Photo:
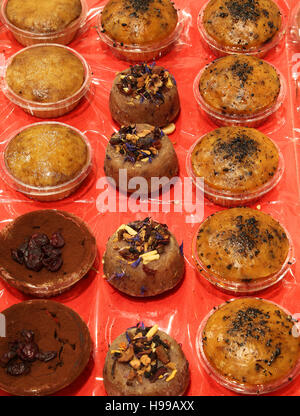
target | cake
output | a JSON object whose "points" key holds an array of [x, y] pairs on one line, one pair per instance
{"points": [[144, 94], [47, 346], [241, 25], [143, 151], [143, 258], [43, 253], [145, 361], [248, 345]]}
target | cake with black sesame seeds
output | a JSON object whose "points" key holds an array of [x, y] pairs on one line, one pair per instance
{"points": [[144, 151], [46, 347], [236, 161], [241, 246], [139, 22], [249, 345], [145, 361], [241, 25], [144, 94], [143, 259], [239, 85]]}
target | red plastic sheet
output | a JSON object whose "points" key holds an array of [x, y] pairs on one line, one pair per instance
{"points": [[107, 312]]}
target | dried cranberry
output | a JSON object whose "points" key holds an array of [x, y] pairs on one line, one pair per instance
{"points": [[17, 256], [57, 240], [39, 240], [5, 359], [34, 259], [53, 264], [24, 247], [28, 335], [50, 251], [18, 369], [28, 351], [46, 356]]}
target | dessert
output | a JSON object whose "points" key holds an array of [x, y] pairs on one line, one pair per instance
{"points": [[139, 30], [144, 94], [43, 253], [144, 151], [47, 160], [143, 258], [46, 80], [242, 249], [145, 361], [47, 346], [37, 21], [248, 346], [241, 26], [239, 89], [238, 165]]}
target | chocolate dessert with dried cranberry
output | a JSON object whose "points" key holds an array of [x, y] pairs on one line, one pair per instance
{"points": [[144, 151], [44, 253], [143, 258], [46, 347], [145, 361], [144, 94]]}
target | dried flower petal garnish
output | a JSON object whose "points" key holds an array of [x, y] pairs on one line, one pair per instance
{"points": [[146, 245], [146, 82], [146, 354], [136, 145]]}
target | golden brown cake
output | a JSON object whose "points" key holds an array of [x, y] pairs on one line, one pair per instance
{"points": [[46, 155], [235, 159], [139, 22], [45, 74], [239, 85], [249, 342], [144, 361], [242, 24], [242, 245], [43, 16]]}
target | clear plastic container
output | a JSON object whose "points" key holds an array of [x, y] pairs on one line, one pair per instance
{"points": [[141, 53], [245, 287], [245, 120], [48, 110], [27, 38], [48, 193], [295, 24], [221, 50], [232, 199], [235, 386]]}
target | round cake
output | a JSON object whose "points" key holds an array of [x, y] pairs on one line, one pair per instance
{"points": [[143, 258], [144, 361], [45, 74], [241, 245], [241, 25], [45, 252], [236, 160], [139, 22], [43, 16], [46, 155], [46, 347], [239, 85], [144, 94], [249, 345], [144, 151]]}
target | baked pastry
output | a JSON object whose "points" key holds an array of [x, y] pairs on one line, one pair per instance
{"points": [[241, 25], [48, 156], [248, 345], [236, 162], [144, 94], [34, 21], [144, 151], [143, 258], [45, 252], [49, 75], [242, 246], [47, 346], [144, 361], [239, 85], [136, 22]]}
